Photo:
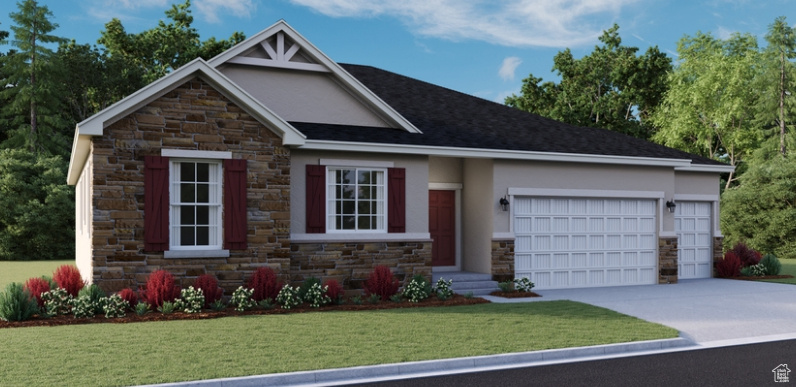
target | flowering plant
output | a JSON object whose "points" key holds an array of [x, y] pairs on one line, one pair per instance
{"points": [[288, 297], [443, 289], [83, 307], [56, 301], [191, 300], [115, 306], [316, 295], [242, 299], [417, 289], [523, 284]]}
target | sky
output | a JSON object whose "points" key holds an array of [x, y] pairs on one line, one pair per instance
{"points": [[479, 47]]}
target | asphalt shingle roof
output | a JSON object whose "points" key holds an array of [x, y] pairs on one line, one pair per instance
{"points": [[449, 118]]}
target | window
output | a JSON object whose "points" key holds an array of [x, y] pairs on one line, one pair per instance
{"points": [[195, 204], [356, 199]]}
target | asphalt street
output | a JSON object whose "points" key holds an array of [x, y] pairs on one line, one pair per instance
{"points": [[743, 365]]}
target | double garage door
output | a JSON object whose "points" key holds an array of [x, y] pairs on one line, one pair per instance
{"points": [[591, 242]]}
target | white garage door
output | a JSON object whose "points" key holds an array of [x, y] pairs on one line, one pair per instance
{"points": [[692, 222], [585, 242]]}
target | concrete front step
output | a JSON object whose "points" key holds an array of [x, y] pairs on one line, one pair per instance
{"points": [[465, 282]]}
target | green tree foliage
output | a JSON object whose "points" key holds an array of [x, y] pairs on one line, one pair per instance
{"points": [[709, 107], [168, 46], [610, 88], [36, 207], [31, 114], [761, 210]]}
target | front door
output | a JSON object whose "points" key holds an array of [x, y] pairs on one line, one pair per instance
{"points": [[442, 227]]}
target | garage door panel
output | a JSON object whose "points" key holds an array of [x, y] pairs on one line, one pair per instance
{"points": [[694, 246], [586, 242]]}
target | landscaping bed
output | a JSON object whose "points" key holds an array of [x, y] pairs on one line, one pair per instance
{"points": [[513, 294], [761, 278]]}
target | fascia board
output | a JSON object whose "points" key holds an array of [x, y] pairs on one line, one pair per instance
{"points": [[706, 168], [81, 145], [493, 154], [347, 80]]}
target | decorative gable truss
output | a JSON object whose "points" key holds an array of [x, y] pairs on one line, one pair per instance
{"points": [[278, 51]]}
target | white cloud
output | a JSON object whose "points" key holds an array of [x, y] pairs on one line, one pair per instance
{"points": [[508, 68], [517, 23], [211, 8], [724, 33]]}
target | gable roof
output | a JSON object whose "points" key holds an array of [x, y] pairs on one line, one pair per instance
{"points": [[454, 120], [94, 125]]}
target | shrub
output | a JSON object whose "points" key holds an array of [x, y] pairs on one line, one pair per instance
{"points": [[218, 305], [316, 295], [167, 307], [115, 306], [375, 298], [771, 264], [334, 291], [443, 289], [264, 283], [288, 297], [95, 295], [68, 277], [36, 286], [746, 255], [267, 303], [242, 299], [417, 289], [160, 288], [209, 286], [308, 283], [382, 283], [730, 266], [506, 286], [397, 297], [17, 304], [523, 284], [83, 307], [57, 301], [129, 296], [356, 300], [141, 308], [191, 300]]}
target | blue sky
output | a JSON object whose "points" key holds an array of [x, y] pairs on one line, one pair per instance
{"points": [[480, 47]]}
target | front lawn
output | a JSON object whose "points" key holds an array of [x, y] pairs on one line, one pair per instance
{"points": [[158, 352], [20, 271], [788, 267]]}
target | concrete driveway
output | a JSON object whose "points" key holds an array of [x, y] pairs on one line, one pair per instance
{"points": [[706, 311]]}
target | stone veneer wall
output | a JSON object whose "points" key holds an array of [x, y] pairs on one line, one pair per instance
{"points": [[718, 252], [350, 263], [667, 260], [193, 116], [503, 260]]}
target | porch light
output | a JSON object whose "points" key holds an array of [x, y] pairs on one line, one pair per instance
{"points": [[671, 205], [504, 204]]}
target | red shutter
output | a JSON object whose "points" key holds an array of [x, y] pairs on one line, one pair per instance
{"points": [[316, 199], [156, 203], [396, 200], [235, 204]]}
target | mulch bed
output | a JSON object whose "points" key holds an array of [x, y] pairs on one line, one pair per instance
{"points": [[765, 277], [131, 317], [498, 293]]}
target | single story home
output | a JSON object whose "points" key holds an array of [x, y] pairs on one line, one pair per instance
{"points": [[272, 154]]}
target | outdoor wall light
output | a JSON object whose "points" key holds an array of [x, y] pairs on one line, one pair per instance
{"points": [[671, 205], [504, 204]]}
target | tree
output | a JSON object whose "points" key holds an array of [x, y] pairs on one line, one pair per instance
{"points": [[611, 88], [36, 207], [31, 82], [777, 82], [708, 109], [159, 50]]}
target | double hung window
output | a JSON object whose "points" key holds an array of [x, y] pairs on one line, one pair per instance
{"points": [[196, 193], [356, 199]]}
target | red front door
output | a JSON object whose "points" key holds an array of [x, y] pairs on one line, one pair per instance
{"points": [[442, 226]]}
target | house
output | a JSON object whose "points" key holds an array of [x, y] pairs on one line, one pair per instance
{"points": [[273, 154]]}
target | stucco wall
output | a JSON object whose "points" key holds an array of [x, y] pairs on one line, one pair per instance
{"points": [[444, 170], [83, 222], [696, 183], [478, 212], [416, 186], [302, 96]]}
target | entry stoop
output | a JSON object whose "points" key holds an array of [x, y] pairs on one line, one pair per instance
{"points": [[464, 282]]}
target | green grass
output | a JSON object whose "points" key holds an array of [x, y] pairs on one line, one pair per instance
{"points": [[158, 352], [20, 271], [788, 267]]}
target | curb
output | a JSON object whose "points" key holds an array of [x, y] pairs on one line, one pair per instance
{"points": [[431, 367]]}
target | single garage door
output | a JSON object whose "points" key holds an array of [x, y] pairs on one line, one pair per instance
{"points": [[585, 242], [692, 222]]}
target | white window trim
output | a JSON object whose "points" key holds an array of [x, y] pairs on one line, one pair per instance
{"points": [[214, 251], [356, 163], [329, 211], [196, 154]]}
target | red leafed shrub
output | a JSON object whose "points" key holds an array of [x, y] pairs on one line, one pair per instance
{"points": [[129, 295], [210, 289], [68, 278], [160, 287], [264, 283], [382, 282], [730, 266], [334, 290], [747, 256], [36, 286]]}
